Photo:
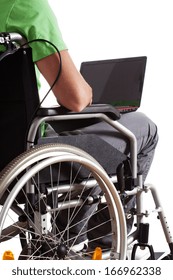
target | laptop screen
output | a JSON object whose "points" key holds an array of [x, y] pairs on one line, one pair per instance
{"points": [[118, 82]]}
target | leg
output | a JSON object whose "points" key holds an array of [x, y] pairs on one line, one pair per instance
{"points": [[146, 134], [144, 130]]}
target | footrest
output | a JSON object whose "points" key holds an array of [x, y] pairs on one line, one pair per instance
{"points": [[151, 255]]}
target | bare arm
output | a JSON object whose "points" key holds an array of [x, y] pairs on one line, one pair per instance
{"points": [[71, 90]]}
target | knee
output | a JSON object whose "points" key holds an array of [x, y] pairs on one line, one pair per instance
{"points": [[149, 137], [153, 132], [141, 125], [148, 127]]}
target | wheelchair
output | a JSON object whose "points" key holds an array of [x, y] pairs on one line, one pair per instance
{"points": [[51, 188]]}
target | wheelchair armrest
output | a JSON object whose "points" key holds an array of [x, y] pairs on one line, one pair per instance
{"points": [[106, 109]]}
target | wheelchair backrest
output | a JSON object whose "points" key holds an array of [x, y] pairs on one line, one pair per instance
{"points": [[18, 101]]}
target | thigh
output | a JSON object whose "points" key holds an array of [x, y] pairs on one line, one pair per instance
{"points": [[138, 123]]}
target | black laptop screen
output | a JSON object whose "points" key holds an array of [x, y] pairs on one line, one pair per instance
{"points": [[118, 82]]}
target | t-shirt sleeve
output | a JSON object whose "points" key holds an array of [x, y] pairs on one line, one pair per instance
{"points": [[36, 20]]}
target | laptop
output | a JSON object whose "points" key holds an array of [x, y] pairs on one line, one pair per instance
{"points": [[118, 82]]}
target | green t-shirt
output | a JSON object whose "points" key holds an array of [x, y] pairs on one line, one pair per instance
{"points": [[33, 19]]}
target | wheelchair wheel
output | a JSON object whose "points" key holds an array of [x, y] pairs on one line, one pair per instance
{"points": [[56, 197]]}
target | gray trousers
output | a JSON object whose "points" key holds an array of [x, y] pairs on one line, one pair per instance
{"points": [[144, 130], [146, 134]]}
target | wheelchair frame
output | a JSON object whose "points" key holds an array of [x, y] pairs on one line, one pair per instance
{"points": [[53, 153], [139, 190]]}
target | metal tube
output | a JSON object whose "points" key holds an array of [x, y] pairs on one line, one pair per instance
{"points": [[161, 214], [18, 38]]}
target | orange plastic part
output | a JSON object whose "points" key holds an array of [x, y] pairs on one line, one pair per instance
{"points": [[97, 255], [8, 255]]}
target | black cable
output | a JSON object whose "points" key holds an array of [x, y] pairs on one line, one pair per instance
{"points": [[56, 79], [60, 64], [12, 51]]}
